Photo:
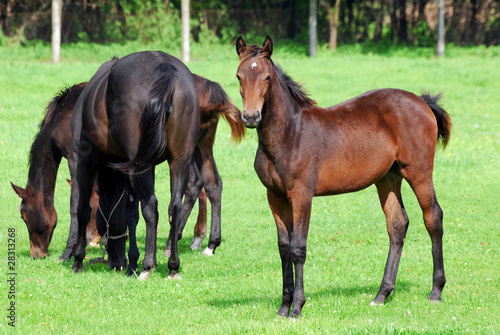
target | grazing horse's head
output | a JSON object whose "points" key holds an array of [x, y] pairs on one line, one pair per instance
{"points": [[254, 74], [40, 218]]}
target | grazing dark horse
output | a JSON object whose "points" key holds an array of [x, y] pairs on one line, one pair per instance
{"points": [[135, 113], [379, 137], [52, 142]]}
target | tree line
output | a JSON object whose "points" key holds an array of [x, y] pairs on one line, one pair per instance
{"points": [[398, 22]]}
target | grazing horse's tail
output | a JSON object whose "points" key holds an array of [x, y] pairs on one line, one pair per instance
{"points": [[155, 112], [443, 119], [218, 100]]}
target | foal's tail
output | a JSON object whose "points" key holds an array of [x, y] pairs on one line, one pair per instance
{"points": [[155, 112], [442, 117], [219, 101]]}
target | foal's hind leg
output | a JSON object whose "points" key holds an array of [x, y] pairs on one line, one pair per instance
{"points": [[213, 186], [200, 228], [433, 217], [194, 186], [389, 192]]}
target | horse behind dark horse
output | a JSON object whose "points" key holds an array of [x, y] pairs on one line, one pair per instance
{"points": [[52, 142], [380, 137]]}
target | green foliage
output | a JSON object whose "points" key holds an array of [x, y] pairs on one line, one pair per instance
{"points": [[238, 290]]}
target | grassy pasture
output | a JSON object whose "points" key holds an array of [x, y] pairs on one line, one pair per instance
{"points": [[238, 290]]}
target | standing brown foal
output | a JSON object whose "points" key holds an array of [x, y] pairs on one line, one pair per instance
{"points": [[379, 137]]}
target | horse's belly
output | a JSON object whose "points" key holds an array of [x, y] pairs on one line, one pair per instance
{"points": [[337, 176]]}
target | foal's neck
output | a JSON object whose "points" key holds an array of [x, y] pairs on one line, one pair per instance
{"points": [[44, 164], [282, 115]]}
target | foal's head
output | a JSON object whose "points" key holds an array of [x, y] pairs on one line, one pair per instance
{"points": [[40, 218], [254, 74]]}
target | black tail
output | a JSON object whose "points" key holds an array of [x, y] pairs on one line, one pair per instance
{"points": [[442, 117], [155, 112]]}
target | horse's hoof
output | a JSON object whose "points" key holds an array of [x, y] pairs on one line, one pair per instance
{"points": [[145, 275], [78, 268], [196, 243], [174, 276], [167, 253], [376, 303], [208, 252]]}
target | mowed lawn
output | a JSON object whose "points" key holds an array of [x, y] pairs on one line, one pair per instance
{"points": [[238, 290]]}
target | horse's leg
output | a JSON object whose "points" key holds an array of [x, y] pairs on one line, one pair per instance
{"points": [[200, 229], [178, 184], [213, 186], [193, 189], [143, 186], [85, 183], [423, 187], [73, 226], [282, 212], [132, 218], [301, 200], [389, 192]]}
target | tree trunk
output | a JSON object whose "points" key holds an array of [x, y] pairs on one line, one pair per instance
{"points": [[185, 30], [333, 22], [56, 30]]}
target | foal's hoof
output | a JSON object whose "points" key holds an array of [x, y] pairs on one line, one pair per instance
{"points": [[196, 243], [145, 275], [208, 252]]}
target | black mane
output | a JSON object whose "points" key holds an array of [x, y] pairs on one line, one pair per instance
{"points": [[297, 92]]}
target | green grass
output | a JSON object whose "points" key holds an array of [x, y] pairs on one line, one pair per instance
{"points": [[238, 290]]}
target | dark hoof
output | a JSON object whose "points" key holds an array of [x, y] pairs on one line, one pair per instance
{"points": [[295, 314], [132, 272], [283, 311], [64, 258], [78, 268]]}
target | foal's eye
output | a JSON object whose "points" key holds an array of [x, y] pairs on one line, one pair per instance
{"points": [[238, 77], [268, 78]]}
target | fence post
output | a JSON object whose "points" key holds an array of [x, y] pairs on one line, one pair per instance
{"points": [[313, 10], [185, 30], [56, 30], [440, 44]]}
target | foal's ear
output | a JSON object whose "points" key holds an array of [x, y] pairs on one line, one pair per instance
{"points": [[267, 47], [241, 46], [21, 192]]}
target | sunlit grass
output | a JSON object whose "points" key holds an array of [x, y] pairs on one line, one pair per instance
{"points": [[238, 290]]}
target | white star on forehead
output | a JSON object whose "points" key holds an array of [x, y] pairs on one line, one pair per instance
{"points": [[254, 65]]}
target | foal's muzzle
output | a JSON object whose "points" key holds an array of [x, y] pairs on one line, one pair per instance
{"points": [[251, 120]]}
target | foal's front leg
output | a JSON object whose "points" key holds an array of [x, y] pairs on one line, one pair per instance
{"points": [[301, 200], [282, 212]]}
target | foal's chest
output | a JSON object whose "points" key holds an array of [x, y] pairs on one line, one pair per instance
{"points": [[267, 172]]}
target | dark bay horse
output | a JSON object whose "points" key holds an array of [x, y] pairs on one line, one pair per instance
{"points": [[379, 137], [135, 113], [52, 142]]}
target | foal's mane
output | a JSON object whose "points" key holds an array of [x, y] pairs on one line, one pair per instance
{"points": [[296, 90], [42, 143]]}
